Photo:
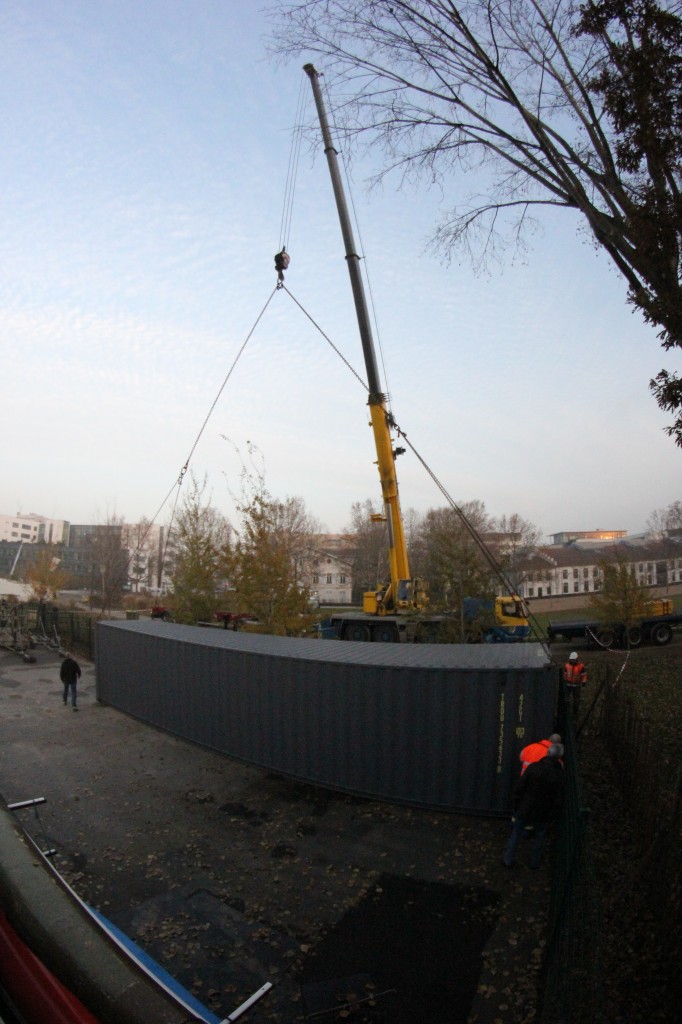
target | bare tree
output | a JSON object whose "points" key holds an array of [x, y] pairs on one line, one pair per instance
{"points": [[545, 103], [368, 540], [518, 538], [454, 566], [109, 561], [663, 521]]}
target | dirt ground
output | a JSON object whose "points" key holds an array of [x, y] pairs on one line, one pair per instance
{"points": [[354, 909]]}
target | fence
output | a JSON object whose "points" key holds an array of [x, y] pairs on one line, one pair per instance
{"points": [[46, 624], [653, 788], [571, 989]]}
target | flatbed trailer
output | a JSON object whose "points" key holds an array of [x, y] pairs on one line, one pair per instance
{"points": [[655, 629]]}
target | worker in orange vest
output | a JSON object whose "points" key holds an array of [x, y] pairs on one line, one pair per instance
{"points": [[536, 751], [574, 677]]}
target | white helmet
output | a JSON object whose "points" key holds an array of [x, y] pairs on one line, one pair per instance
{"points": [[573, 656]]}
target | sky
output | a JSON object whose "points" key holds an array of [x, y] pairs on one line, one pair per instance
{"points": [[143, 185]]}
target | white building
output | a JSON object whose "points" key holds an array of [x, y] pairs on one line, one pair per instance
{"points": [[574, 569], [330, 578], [33, 529]]}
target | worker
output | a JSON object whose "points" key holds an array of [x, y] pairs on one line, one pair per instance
{"points": [[574, 678], [536, 751], [537, 801]]}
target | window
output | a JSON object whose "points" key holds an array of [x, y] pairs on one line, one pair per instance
{"points": [[342, 578], [316, 577], [565, 575], [565, 588], [329, 577], [576, 587], [586, 572]]}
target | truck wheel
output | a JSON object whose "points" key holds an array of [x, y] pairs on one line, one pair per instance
{"points": [[357, 631], [386, 634], [606, 637], [635, 637], [661, 634]]}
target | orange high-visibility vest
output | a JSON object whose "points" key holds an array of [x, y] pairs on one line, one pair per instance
{"points": [[533, 752], [575, 673]]}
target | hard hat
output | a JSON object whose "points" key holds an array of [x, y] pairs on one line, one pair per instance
{"points": [[573, 656]]}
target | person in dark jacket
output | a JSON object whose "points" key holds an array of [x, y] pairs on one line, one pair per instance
{"points": [[69, 674], [538, 798]]}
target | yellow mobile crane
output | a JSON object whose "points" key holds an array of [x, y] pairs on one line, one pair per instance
{"points": [[395, 611], [404, 593]]}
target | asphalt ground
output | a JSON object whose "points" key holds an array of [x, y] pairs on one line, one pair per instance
{"points": [[229, 877]]}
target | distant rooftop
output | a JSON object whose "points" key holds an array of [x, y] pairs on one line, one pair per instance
{"points": [[567, 536]]}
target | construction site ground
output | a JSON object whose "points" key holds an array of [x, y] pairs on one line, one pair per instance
{"points": [[230, 877]]}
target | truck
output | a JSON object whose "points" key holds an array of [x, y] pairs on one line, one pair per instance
{"points": [[655, 627], [396, 610]]}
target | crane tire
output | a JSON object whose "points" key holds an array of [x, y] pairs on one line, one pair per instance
{"points": [[661, 634], [386, 634], [606, 637], [357, 631]]}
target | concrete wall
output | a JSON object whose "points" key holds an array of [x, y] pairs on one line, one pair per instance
{"points": [[432, 725]]}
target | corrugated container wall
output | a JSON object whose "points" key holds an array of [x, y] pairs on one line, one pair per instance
{"points": [[432, 725]]}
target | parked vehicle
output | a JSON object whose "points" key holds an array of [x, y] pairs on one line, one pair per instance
{"points": [[656, 628]]}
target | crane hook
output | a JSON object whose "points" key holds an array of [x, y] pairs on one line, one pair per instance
{"points": [[282, 260]]}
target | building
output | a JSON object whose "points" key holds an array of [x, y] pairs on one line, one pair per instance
{"points": [[574, 569], [328, 574], [600, 536], [33, 529]]}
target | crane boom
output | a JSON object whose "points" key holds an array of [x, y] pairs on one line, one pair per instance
{"points": [[403, 593]]}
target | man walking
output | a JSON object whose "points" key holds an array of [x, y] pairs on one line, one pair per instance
{"points": [[69, 674], [537, 800]]}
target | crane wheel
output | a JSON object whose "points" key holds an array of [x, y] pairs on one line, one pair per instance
{"points": [[386, 634]]}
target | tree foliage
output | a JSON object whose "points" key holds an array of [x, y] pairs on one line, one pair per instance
{"points": [[545, 103], [45, 575], [271, 554], [266, 569], [621, 599], [453, 563], [202, 549]]}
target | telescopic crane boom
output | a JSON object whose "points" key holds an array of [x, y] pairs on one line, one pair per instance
{"points": [[404, 593]]}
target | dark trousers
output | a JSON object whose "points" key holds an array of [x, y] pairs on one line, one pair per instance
{"points": [[72, 686], [538, 837]]}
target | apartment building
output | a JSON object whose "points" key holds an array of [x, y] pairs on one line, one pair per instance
{"points": [[33, 529]]}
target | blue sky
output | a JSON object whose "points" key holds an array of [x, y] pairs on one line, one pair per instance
{"points": [[142, 183]]}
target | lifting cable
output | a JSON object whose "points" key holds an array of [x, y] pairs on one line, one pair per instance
{"points": [[183, 471], [474, 534], [471, 529], [292, 169]]}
